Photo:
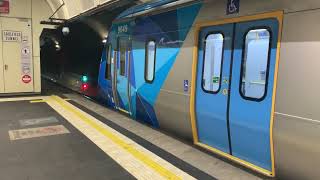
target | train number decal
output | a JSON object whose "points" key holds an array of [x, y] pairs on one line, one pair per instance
{"points": [[123, 29]]}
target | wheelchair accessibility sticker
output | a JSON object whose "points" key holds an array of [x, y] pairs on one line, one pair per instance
{"points": [[233, 6]]}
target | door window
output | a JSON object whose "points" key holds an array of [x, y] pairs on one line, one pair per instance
{"points": [[122, 50], [150, 61], [254, 69], [108, 62], [213, 54]]}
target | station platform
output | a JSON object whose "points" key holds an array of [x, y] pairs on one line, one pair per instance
{"points": [[63, 135]]}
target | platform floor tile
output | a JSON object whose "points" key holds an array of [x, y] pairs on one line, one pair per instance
{"points": [[63, 156]]}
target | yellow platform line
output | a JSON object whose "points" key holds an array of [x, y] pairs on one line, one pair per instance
{"points": [[38, 101], [43, 101], [164, 172], [29, 98]]}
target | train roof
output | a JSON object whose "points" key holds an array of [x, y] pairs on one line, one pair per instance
{"points": [[150, 6]]}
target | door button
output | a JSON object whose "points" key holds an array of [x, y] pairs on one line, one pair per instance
{"points": [[225, 92], [225, 80]]}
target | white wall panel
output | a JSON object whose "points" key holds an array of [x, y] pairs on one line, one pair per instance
{"points": [[40, 11], [54, 5], [75, 7], [1, 64], [86, 5], [103, 1], [31, 11]]}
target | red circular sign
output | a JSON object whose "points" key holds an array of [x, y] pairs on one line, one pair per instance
{"points": [[26, 79]]}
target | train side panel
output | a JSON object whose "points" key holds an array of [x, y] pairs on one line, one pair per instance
{"points": [[172, 105], [168, 30], [297, 124], [166, 103], [173, 88], [105, 84], [295, 138]]}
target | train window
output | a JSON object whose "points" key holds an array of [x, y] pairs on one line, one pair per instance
{"points": [[122, 50], [150, 61], [108, 62], [213, 54], [254, 69]]}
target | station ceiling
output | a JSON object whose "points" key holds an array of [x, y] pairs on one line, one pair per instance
{"points": [[73, 8]]}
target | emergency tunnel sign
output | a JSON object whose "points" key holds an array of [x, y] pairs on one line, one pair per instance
{"points": [[12, 36]]}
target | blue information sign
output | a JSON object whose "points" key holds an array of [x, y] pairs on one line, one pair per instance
{"points": [[233, 6]]}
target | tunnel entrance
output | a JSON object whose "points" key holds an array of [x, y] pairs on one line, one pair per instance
{"points": [[72, 59]]}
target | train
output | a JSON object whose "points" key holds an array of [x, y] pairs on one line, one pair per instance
{"points": [[237, 78]]}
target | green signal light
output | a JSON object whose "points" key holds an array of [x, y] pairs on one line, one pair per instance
{"points": [[84, 78]]}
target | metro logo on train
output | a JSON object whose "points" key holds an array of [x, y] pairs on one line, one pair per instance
{"points": [[123, 29]]}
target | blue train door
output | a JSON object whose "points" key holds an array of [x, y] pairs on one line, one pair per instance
{"points": [[122, 74], [235, 90], [215, 48]]}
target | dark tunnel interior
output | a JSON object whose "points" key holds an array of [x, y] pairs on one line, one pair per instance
{"points": [[80, 51]]}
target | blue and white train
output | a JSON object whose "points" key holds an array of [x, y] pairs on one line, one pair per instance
{"points": [[238, 78]]}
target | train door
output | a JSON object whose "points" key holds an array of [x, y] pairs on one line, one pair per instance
{"points": [[123, 74], [215, 50], [106, 80], [234, 91]]}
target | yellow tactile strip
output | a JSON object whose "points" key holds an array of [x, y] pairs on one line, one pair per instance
{"points": [[137, 160]]}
